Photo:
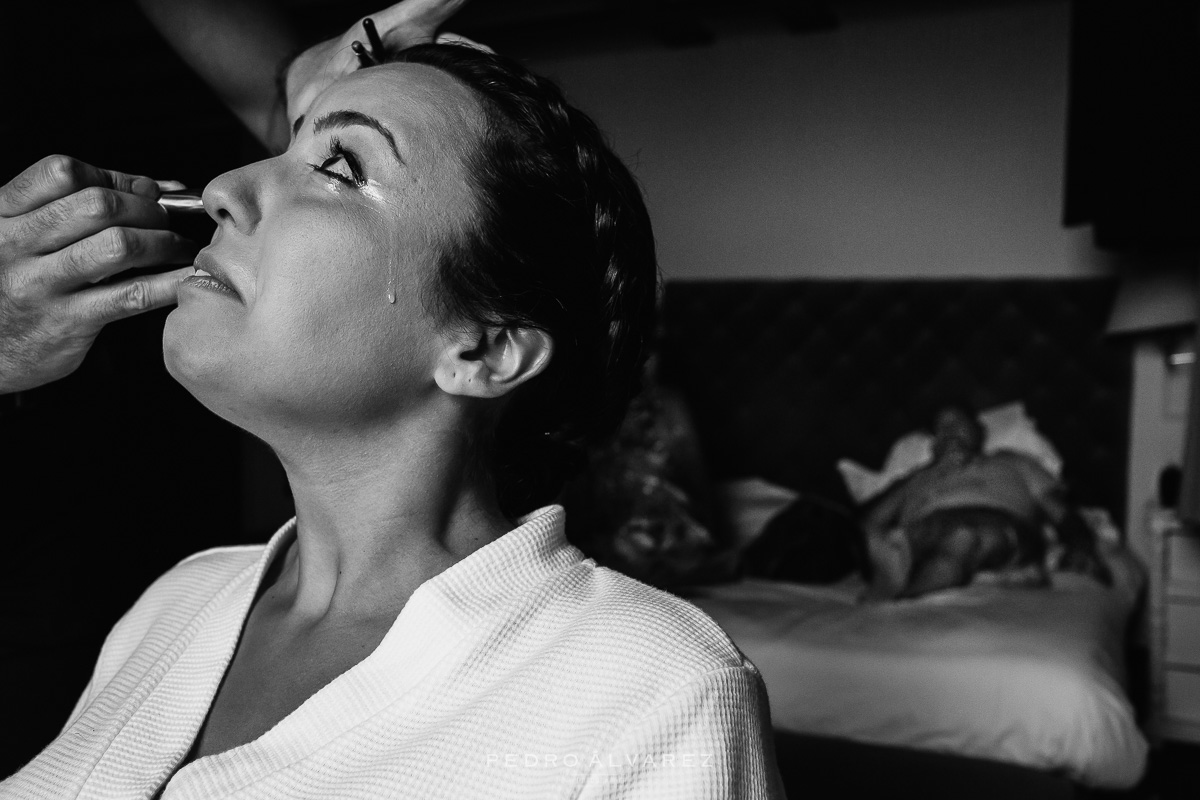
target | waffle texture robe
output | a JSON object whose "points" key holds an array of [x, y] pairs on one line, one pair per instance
{"points": [[523, 671]]}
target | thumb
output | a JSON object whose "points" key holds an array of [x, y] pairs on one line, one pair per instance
{"points": [[414, 21]]}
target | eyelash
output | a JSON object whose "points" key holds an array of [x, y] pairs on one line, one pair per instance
{"points": [[335, 152]]}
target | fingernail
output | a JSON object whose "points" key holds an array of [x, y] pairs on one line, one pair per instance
{"points": [[144, 187], [170, 186]]}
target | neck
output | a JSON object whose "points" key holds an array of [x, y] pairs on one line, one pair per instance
{"points": [[377, 516]]}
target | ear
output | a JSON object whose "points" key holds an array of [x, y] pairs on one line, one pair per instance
{"points": [[491, 362]]}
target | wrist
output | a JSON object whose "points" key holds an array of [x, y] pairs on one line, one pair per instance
{"points": [[281, 81], [279, 123]]}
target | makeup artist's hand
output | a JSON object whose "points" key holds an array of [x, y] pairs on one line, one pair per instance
{"points": [[404, 24], [64, 225]]}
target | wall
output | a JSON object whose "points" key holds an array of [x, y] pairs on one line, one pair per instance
{"points": [[927, 146]]}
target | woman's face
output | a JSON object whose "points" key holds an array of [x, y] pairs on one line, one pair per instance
{"points": [[316, 243]]}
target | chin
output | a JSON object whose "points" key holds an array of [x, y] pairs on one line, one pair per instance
{"points": [[231, 383], [199, 365]]}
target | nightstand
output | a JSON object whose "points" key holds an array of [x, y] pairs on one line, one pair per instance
{"points": [[1174, 627]]}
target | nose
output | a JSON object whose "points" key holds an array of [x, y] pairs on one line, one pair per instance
{"points": [[234, 199]]}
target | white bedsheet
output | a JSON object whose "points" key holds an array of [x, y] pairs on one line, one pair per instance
{"points": [[1026, 676]]}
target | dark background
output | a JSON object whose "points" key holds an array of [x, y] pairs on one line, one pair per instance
{"points": [[113, 474]]}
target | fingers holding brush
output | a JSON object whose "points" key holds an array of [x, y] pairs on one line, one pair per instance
{"points": [[365, 44], [373, 39], [365, 59]]}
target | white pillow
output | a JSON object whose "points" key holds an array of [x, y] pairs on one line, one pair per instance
{"points": [[1010, 428], [909, 453], [750, 504]]}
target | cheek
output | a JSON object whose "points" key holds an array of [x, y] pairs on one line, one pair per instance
{"points": [[323, 297], [318, 273]]}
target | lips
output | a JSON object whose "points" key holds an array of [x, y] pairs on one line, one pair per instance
{"points": [[211, 275]]}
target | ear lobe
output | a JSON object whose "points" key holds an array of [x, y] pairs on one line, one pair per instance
{"points": [[493, 361]]}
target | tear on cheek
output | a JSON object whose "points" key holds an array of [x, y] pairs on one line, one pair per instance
{"points": [[371, 190]]}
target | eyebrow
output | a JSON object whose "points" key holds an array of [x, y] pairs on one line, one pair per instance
{"points": [[346, 119]]}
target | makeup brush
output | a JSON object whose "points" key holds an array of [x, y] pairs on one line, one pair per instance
{"points": [[183, 201], [375, 54]]}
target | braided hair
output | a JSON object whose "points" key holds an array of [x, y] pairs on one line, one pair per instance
{"points": [[562, 243]]}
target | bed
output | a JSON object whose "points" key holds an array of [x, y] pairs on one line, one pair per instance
{"points": [[989, 690], [1022, 676]]}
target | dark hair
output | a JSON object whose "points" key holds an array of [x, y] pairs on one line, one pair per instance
{"points": [[563, 244]]}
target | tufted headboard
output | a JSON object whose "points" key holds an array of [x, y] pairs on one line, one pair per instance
{"points": [[783, 378]]}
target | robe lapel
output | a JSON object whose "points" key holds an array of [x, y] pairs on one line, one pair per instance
{"points": [[151, 728]]}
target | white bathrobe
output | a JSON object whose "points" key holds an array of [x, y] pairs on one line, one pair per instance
{"points": [[522, 671]]}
